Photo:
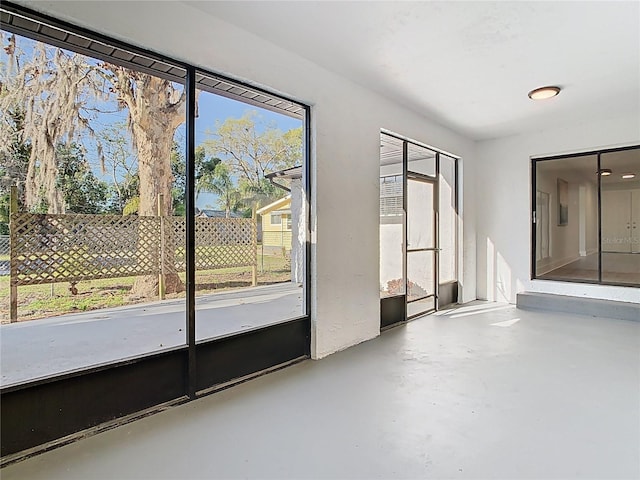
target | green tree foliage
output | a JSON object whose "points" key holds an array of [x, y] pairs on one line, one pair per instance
{"points": [[132, 206], [179, 188], [14, 160], [220, 182], [82, 192], [204, 170], [119, 164], [205, 167], [251, 149]]}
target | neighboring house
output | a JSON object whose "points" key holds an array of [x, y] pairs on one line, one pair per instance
{"points": [[295, 221], [276, 224]]}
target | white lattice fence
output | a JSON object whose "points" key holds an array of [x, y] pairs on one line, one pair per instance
{"points": [[48, 248], [4, 244], [70, 248], [220, 243]]}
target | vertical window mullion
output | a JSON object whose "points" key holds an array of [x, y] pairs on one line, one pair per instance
{"points": [[456, 207], [599, 219], [306, 181], [405, 233], [436, 232], [191, 227], [534, 220]]}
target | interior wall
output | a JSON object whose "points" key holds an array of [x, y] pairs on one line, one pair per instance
{"points": [[346, 123], [503, 206], [564, 240]]}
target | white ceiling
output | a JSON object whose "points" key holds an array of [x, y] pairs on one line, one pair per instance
{"points": [[467, 65]]}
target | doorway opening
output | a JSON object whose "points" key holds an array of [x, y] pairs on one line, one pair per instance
{"points": [[418, 230]]}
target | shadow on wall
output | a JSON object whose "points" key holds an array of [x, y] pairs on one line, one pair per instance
{"points": [[501, 285]]}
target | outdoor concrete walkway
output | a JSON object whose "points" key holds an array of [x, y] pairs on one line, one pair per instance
{"points": [[39, 348]]}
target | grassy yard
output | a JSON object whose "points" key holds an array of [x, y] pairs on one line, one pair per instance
{"points": [[38, 301]]}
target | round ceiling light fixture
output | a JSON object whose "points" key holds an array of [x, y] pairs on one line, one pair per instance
{"points": [[628, 175], [605, 172], [543, 93]]}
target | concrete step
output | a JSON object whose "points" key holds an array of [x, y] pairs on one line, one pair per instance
{"points": [[579, 305]]}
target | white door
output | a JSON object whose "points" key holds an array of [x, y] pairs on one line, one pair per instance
{"points": [[635, 221], [616, 221], [542, 225]]}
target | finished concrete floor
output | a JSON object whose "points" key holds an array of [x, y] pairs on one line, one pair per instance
{"points": [[483, 391]]}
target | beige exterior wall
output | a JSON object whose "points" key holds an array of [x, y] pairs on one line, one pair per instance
{"points": [[277, 235]]}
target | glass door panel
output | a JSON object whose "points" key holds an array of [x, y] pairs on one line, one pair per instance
{"points": [[420, 231], [620, 219], [421, 246], [421, 160], [448, 219], [392, 282], [420, 307], [420, 278]]}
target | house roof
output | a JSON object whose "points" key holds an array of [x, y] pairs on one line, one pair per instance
{"points": [[277, 205], [209, 213], [292, 173]]}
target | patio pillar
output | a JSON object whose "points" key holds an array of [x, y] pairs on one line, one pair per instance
{"points": [[254, 267], [298, 229]]}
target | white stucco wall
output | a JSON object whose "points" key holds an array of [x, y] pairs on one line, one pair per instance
{"points": [[503, 206], [346, 123]]}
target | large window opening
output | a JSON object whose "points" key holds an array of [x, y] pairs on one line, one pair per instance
{"points": [[586, 217], [153, 229], [93, 177], [250, 254]]}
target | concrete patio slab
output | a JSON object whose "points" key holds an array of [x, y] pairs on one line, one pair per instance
{"points": [[40, 348]]}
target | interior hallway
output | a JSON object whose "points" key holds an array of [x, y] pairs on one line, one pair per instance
{"points": [[482, 391]]}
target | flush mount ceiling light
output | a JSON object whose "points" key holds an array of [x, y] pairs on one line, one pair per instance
{"points": [[605, 172], [543, 93], [628, 175]]}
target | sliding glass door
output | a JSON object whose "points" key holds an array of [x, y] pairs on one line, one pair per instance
{"points": [[586, 217]]}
